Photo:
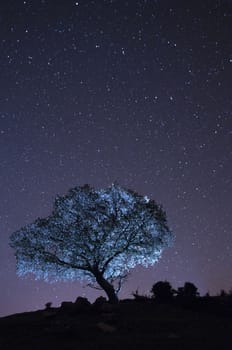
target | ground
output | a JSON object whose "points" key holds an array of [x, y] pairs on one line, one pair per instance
{"points": [[202, 324]]}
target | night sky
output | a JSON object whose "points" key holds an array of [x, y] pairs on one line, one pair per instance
{"points": [[138, 92]]}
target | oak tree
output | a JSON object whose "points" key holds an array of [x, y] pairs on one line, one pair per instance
{"points": [[93, 234]]}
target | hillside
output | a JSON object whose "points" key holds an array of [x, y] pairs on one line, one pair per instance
{"points": [[133, 324]]}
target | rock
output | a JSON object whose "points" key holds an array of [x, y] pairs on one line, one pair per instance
{"points": [[99, 302], [82, 304], [106, 328], [173, 336], [67, 306]]}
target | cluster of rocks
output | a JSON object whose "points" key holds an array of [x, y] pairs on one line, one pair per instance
{"points": [[101, 307], [83, 305]]}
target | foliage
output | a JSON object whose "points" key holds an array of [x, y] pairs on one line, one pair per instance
{"points": [[188, 291], [162, 291], [140, 297], [48, 305], [98, 235]]}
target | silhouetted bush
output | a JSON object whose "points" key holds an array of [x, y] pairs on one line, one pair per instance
{"points": [[223, 293], [162, 291], [189, 291], [139, 297], [48, 305]]}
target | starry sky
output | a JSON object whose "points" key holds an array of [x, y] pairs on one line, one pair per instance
{"points": [[136, 91]]}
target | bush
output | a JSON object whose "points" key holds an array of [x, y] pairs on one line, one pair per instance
{"points": [[189, 291], [162, 291]]}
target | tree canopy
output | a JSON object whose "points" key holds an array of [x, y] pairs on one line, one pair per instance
{"points": [[188, 291], [162, 291], [97, 235]]}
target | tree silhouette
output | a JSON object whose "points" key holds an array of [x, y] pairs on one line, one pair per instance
{"points": [[97, 235], [162, 291], [189, 291]]}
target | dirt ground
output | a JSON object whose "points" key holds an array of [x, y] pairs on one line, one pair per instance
{"points": [[129, 325]]}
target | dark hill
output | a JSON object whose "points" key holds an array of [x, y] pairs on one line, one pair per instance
{"points": [[199, 324]]}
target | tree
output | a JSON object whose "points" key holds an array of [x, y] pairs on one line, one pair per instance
{"points": [[162, 291], [189, 291], [98, 235]]}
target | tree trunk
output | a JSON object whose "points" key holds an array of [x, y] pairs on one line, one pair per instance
{"points": [[108, 288]]}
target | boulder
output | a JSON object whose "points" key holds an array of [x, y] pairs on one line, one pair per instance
{"points": [[105, 327], [99, 302], [82, 304], [67, 306]]}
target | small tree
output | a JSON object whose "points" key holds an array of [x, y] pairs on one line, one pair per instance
{"points": [[162, 291], [223, 293], [98, 235], [189, 291]]}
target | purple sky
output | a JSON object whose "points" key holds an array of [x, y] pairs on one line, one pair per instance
{"points": [[137, 92]]}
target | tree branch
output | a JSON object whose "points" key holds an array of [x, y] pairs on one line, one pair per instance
{"points": [[58, 261], [114, 256]]}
